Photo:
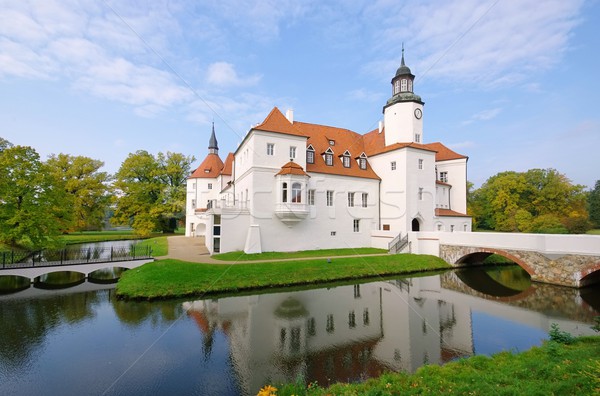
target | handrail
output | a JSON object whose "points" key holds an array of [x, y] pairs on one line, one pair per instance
{"points": [[71, 256], [398, 244]]}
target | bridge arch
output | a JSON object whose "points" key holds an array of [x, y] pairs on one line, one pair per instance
{"points": [[590, 275], [477, 255]]}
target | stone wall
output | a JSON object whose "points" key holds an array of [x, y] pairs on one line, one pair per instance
{"points": [[565, 270]]}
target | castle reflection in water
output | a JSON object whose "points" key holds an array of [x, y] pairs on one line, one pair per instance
{"points": [[350, 333]]}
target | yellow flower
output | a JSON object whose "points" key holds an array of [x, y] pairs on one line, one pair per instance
{"points": [[267, 390]]}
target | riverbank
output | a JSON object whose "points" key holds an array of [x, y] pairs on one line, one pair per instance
{"points": [[173, 278], [552, 369]]}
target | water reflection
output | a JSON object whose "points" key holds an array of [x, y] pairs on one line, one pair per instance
{"points": [[350, 333], [235, 345]]}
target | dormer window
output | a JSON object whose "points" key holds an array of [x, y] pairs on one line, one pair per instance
{"points": [[328, 157], [346, 159], [310, 155], [362, 161]]}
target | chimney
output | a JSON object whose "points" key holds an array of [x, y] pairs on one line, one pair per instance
{"points": [[289, 114], [380, 126]]}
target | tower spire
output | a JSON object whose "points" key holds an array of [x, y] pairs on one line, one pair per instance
{"points": [[402, 62], [213, 145]]}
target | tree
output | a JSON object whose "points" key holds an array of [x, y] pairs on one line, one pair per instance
{"points": [[33, 210], [150, 191], [594, 205], [85, 185], [4, 144], [539, 200]]}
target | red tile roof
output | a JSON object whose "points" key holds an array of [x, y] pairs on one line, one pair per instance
{"points": [[209, 168], [443, 153], [292, 168], [228, 166], [450, 213], [276, 122], [344, 140]]}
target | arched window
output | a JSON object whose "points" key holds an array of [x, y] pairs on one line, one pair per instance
{"points": [[284, 192], [296, 192]]}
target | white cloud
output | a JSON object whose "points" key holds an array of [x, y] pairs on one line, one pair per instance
{"points": [[224, 74], [365, 95], [484, 115], [468, 41]]}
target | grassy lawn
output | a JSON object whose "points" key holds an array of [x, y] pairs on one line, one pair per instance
{"points": [[552, 369], [172, 278], [241, 256], [160, 246], [594, 232]]}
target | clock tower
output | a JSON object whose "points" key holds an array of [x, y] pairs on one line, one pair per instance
{"points": [[403, 112]]}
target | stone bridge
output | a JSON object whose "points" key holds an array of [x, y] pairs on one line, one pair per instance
{"points": [[567, 260]]}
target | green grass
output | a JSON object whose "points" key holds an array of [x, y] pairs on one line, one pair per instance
{"points": [[160, 246], [97, 236], [241, 256], [594, 232], [173, 278], [552, 369]]}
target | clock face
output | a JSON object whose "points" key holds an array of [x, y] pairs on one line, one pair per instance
{"points": [[418, 113]]}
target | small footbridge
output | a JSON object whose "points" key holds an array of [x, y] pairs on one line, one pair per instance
{"points": [[85, 261], [568, 260]]}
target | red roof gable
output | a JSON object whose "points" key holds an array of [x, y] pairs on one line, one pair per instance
{"points": [[443, 153], [276, 122], [228, 166], [209, 168]]}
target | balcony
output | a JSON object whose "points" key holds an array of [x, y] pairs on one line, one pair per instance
{"points": [[291, 213]]}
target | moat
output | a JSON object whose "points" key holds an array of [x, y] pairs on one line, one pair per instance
{"points": [[73, 342]]}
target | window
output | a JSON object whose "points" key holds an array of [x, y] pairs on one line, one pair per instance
{"points": [[444, 177], [292, 152], [386, 227], [193, 204], [310, 157], [330, 325], [270, 148], [329, 198], [351, 319], [366, 317], [393, 165], [332, 233], [410, 85], [403, 85], [396, 86], [451, 228], [284, 192], [420, 164], [328, 159], [464, 227], [439, 227], [296, 192], [356, 225], [365, 198], [356, 291], [417, 138], [346, 161], [420, 193], [350, 199], [210, 186], [311, 327], [311, 197], [362, 163]]}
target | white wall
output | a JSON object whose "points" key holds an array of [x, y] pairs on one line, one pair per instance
{"points": [[457, 178], [401, 125]]}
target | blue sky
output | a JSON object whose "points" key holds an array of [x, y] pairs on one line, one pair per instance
{"points": [[512, 84]]}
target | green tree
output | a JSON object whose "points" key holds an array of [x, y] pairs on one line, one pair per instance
{"points": [[539, 200], [33, 210], [594, 205], [85, 185], [4, 144], [150, 191]]}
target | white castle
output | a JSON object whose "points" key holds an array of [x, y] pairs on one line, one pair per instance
{"points": [[294, 185]]}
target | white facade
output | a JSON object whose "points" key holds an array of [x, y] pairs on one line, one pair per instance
{"points": [[297, 186]]}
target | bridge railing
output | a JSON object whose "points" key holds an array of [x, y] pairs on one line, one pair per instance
{"points": [[73, 256]]}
